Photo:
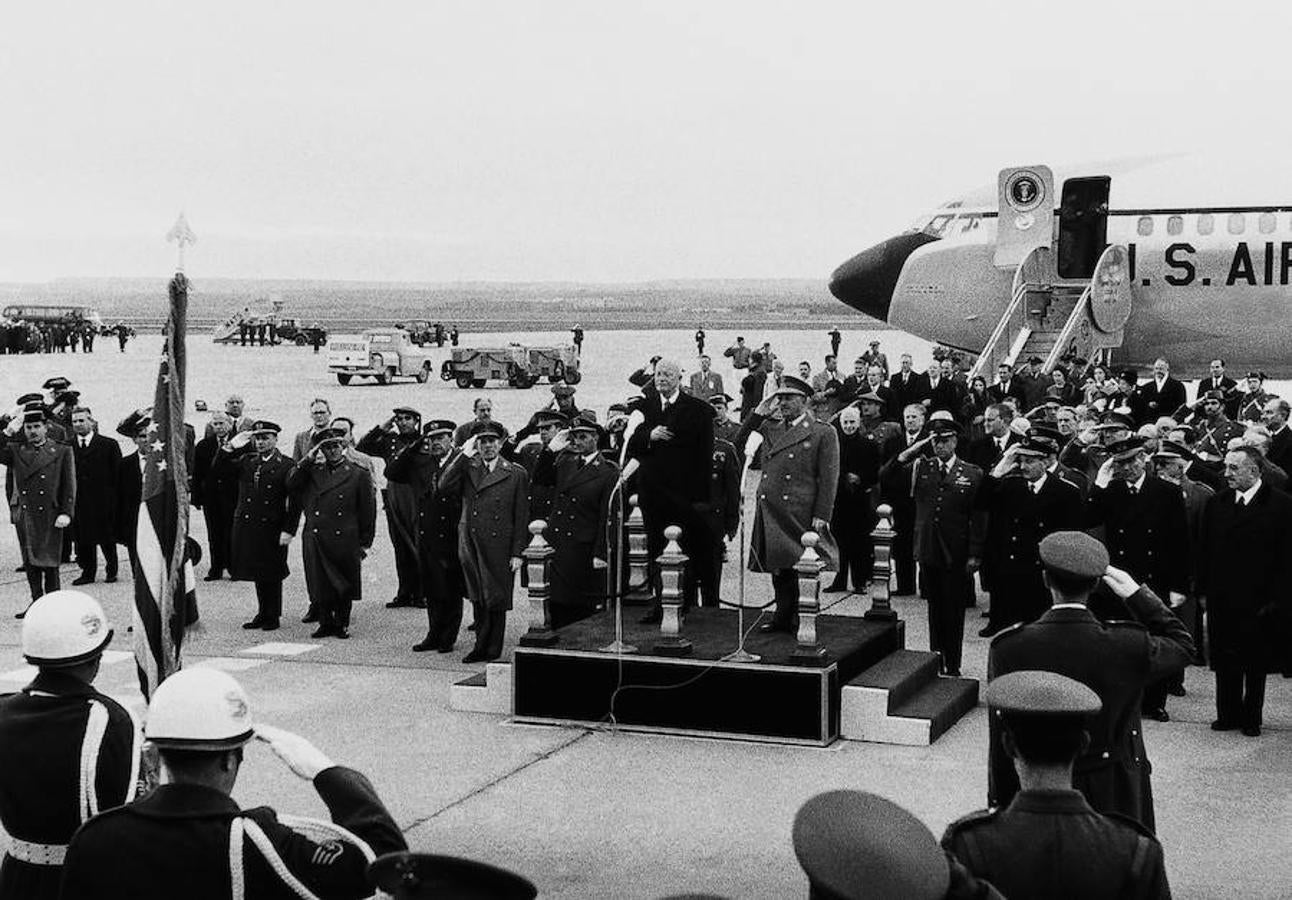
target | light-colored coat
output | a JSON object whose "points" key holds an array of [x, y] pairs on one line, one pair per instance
{"points": [[493, 528]]}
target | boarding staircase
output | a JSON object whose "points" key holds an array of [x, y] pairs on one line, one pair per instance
{"points": [[1051, 317]]}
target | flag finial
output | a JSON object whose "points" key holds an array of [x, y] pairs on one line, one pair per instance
{"points": [[182, 236]]}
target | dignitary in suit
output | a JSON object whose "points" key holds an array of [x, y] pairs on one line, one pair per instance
{"points": [[944, 393], [44, 479], [853, 518], [895, 491], [706, 382], [1275, 418], [66, 750], [1049, 841], [96, 459], [986, 451], [1161, 395], [386, 441], [239, 421], [320, 419], [492, 533], [1007, 386], [827, 390], [1117, 660], [950, 527], [1143, 524], [439, 511], [583, 483], [340, 519], [800, 460], [674, 450], [215, 492], [190, 832], [1025, 502], [1219, 381], [907, 385], [1244, 569], [265, 519]]}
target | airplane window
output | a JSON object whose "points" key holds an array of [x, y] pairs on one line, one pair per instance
{"points": [[1174, 225], [1267, 223], [1237, 223], [1145, 227], [1206, 223]]}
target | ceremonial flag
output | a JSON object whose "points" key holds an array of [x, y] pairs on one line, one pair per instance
{"points": [[164, 585]]}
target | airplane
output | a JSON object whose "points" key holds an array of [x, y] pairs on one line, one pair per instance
{"points": [[1175, 257]]}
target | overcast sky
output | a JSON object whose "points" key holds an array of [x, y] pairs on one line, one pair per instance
{"points": [[603, 140]]}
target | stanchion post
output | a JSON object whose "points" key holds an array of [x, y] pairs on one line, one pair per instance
{"points": [[638, 591], [538, 561], [809, 651], [881, 608], [672, 570]]}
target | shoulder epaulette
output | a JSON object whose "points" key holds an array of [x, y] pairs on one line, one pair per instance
{"points": [[1138, 826], [1125, 623], [974, 818], [1017, 626]]}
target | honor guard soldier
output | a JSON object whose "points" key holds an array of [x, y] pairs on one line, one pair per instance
{"points": [[66, 750], [44, 486], [401, 430], [265, 519], [189, 838], [340, 519], [428, 876], [1049, 842], [1116, 660], [582, 483], [723, 427], [437, 533]]}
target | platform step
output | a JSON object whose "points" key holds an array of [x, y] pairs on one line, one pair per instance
{"points": [[942, 702], [902, 673], [487, 692]]}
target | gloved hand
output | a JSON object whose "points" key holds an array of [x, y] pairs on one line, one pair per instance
{"points": [[301, 756]]}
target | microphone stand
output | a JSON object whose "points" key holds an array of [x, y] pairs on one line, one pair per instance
{"points": [[617, 646]]}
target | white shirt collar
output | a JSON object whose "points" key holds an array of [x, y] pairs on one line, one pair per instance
{"points": [[1250, 493], [1137, 486], [671, 398], [589, 458], [1068, 606], [1035, 486]]}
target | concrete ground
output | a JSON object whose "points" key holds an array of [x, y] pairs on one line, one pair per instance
{"points": [[594, 812]]}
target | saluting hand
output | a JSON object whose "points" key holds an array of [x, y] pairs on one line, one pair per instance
{"points": [[515, 563], [301, 756], [1120, 581], [284, 539]]}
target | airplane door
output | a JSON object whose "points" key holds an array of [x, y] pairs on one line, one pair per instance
{"points": [[1083, 225], [1026, 204]]}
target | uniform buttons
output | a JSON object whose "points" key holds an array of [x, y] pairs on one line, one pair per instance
{"points": [[1104, 754], [785, 496]]}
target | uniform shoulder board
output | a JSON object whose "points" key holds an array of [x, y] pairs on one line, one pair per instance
{"points": [[1017, 626], [1134, 824], [981, 817], [971, 467], [1125, 623]]}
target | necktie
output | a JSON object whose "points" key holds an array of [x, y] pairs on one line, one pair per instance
{"points": [[85, 443], [1133, 490], [1241, 500]]}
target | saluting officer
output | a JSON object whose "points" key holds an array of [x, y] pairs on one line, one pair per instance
{"points": [[401, 430], [419, 465], [266, 517], [583, 483], [340, 518], [66, 750], [1049, 841], [800, 460], [431, 876], [723, 427], [520, 448], [1116, 660], [189, 838], [44, 476]]}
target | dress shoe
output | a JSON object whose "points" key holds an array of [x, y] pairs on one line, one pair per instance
{"points": [[213, 575], [424, 645], [1157, 715], [444, 648], [952, 674], [651, 618], [398, 602], [21, 615], [269, 625], [1177, 690], [321, 632], [83, 579], [310, 616], [254, 623], [20, 569], [989, 631], [474, 656], [769, 627], [342, 633], [418, 603], [1252, 730], [1224, 725], [111, 579]]}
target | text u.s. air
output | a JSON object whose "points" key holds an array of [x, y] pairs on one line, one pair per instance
{"points": [[1120, 262]]}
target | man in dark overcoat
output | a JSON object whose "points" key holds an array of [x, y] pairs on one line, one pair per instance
{"points": [[1117, 660], [265, 519], [44, 476], [1244, 570], [419, 465], [800, 460], [853, 518], [582, 483], [895, 491], [340, 519], [492, 533], [96, 458], [386, 441], [215, 492], [721, 514]]}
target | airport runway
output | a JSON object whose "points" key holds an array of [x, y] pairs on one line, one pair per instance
{"points": [[594, 812]]}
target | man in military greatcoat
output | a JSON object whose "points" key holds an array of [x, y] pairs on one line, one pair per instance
{"points": [[439, 511], [800, 460], [67, 751], [265, 519], [523, 449], [44, 476], [339, 521], [1117, 660], [492, 533], [386, 441], [583, 483], [96, 458]]}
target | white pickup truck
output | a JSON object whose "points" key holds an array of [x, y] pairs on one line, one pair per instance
{"points": [[380, 353]]}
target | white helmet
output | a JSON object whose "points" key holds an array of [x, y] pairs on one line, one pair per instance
{"points": [[64, 628], [199, 709]]}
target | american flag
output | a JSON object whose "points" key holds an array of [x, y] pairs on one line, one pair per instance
{"points": [[164, 583]]}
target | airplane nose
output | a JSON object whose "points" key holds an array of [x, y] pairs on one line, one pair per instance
{"points": [[866, 281]]}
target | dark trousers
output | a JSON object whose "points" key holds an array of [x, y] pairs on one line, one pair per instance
{"points": [[785, 588], [406, 565], [1015, 598], [219, 529], [490, 631], [42, 580], [269, 599], [945, 589], [856, 560], [710, 580], [445, 587], [66, 555], [568, 613], [903, 553], [1240, 695], [87, 556]]}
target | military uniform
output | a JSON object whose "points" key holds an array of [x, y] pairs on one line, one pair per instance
{"points": [[401, 513], [66, 752], [340, 519], [177, 842], [721, 514], [44, 489]]}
